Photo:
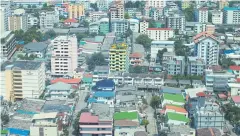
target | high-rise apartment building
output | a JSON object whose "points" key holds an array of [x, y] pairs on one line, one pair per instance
{"points": [[176, 21], [18, 20], [156, 3], [117, 10], [8, 44], [48, 19], [160, 34], [143, 27], [64, 55], [4, 14], [22, 79], [119, 26], [201, 15], [119, 57], [223, 3], [195, 66], [231, 15], [217, 17], [75, 11], [207, 48]]}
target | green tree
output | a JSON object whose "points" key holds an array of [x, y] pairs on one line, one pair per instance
{"points": [[126, 15], [180, 49], [19, 34], [45, 5], [93, 34], [226, 62], [4, 118], [155, 101], [145, 122], [221, 30], [29, 6], [94, 6], [129, 4], [76, 124], [34, 6], [189, 13], [148, 58], [152, 23], [136, 69], [80, 36], [50, 34], [144, 40], [160, 54], [209, 16], [162, 133], [85, 23], [97, 59]]}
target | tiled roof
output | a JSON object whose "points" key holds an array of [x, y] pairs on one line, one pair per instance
{"points": [[203, 34], [126, 123], [175, 108], [236, 99], [87, 117], [70, 21], [159, 29], [135, 55], [234, 67], [68, 81]]}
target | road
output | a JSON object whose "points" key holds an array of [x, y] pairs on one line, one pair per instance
{"points": [[79, 106], [152, 126]]}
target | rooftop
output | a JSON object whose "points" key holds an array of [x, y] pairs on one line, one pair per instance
{"points": [[176, 108], [163, 42], [234, 67], [103, 94], [65, 80], [178, 117], [22, 65], [126, 98], [56, 106], [125, 116], [106, 83], [194, 92], [159, 29], [59, 86], [174, 97], [182, 129], [236, 99], [135, 55], [35, 46], [104, 111], [70, 20], [231, 8], [127, 123], [45, 115], [31, 105], [119, 46], [208, 132], [87, 117], [166, 89]]}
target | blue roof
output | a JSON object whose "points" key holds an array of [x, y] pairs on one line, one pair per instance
{"points": [[91, 100], [20, 132], [229, 51], [170, 90], [104, 94], [231, 8], [106, 83], [21, 42]]}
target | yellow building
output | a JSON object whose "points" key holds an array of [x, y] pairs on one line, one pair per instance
{"points": [[118, 56], [223, 3], [75, 11], [22, 79], [185, 4]]}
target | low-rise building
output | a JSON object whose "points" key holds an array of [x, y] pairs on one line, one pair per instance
{"points": [[174, 109], [236, 100], [160, 45], [178, 130], [48, 124], [36, 48], [176, 119], [209, 116], [236, 70], [176, 66], [235, 88], [134, 25], [136, 58], [176, 99], [96, 16], [59, 91], [160, 34], [195, 66]]}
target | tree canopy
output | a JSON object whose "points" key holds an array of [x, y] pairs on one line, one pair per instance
{"points": [[232, 113], [138, 4], [30, 35], [97, 59], [189, 13], [180, 49], [94, 6], [155, 101], [138, 69], [126, 15], [144, 40], [226, 62], [50, 34], [160, 54]]}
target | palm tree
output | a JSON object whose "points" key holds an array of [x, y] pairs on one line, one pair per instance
{"points": [[145, 122]]}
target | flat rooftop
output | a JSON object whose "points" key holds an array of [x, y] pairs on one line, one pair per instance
{"points": [[104, 111], [23, 65]]}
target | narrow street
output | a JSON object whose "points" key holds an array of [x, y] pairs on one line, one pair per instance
{"points": [[79, 106]]}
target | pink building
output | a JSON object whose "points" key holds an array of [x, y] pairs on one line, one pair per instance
{"points": [[94, 126], [64, 55]]}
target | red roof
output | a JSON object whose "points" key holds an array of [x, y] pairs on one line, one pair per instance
{"points": [[201, 94], [175, 108], [238, 80], [234, 67], [70, 20], [222, 96], [87, 117], [135, 55], [159, 29], [236, 99], [203, 34], [88, 75], [68, 81]]}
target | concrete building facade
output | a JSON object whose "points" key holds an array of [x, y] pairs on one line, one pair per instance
{"points": [[201, 15], [143, 27], [75, 11], [64, 55], [231, 15], [217, 17], [48, 19], [160, 34]]}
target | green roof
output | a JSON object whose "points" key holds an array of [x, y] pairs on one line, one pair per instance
{"points": [[4, 131], [87, 79], [125, 115], [176, 116], [174, 97]]}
